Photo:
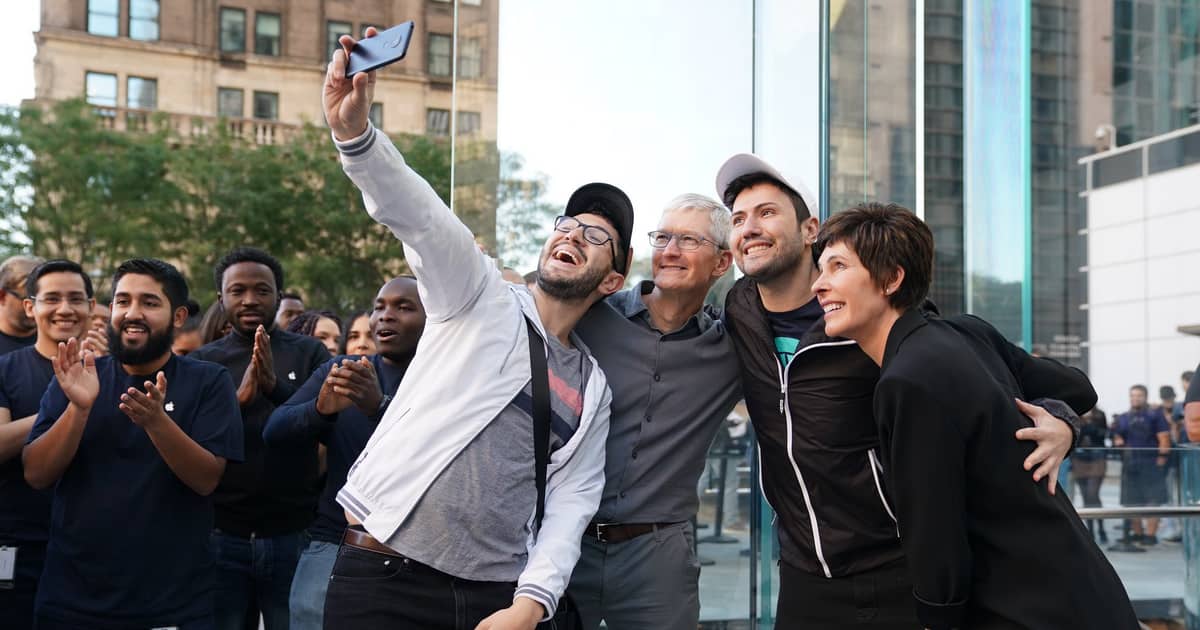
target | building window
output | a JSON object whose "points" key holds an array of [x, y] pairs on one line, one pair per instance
{"points": [[468, 123], [437, 122], [334, 30], [470, 58], [141, 93], [266, 105], [229, 103], [472, 2], [101, 89], [376, 115], [233, 30], [104, 17], [143, 20], [266, 34], [439, 55]]}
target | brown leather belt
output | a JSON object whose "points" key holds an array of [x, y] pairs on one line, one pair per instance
{"points": [[621, 532], [360, 539]]}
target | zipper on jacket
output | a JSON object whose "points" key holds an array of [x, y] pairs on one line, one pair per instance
{"points": [[787, 415], [877, 468]]}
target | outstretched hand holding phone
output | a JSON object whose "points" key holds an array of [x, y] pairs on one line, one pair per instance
{"points": [[347, 101]]}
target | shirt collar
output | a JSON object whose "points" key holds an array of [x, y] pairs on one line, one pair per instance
{"points": [[911, 320], [631, 304]]}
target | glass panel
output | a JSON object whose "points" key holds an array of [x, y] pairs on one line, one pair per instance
{"points": [[1058, 140], [233, 30], [334, 30], [266, 105], [1116, 169], [437, 122], [141, 93], [104, 17], [1154, 568], [439, 55], [469, 58], [266, 34], [872, 115], [101, 89], [996, 165], [644, 116], [1175, 153], [468, 123], [143, 19], [229, 103], [376, 115]]}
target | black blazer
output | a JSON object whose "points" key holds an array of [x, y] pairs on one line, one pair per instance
{"points": [[986, 546]]}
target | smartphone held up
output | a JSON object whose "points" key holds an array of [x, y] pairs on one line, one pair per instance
{"points": [[385, 48]]}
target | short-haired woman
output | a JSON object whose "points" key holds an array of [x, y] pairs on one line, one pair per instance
{"points": [[986, 546]]}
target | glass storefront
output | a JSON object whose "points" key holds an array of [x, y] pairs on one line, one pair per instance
{"points": [[972, 113]]}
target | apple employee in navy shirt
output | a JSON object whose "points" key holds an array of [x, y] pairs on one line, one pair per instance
{"points": [[340, 405], [60, 303], [133, 444]]}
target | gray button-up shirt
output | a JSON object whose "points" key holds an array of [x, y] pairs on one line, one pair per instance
{"points": [[670, 393]]}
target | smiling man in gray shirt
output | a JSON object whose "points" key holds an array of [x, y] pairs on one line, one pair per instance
{"points": [[674, 378]]}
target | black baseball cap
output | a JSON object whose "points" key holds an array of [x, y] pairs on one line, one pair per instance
{"points": [[611, 203]]}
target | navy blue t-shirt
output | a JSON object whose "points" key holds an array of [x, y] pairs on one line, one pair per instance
{"points": [[344, 435], [789, 327], [9, 343], [129, 541], [24, 512]]}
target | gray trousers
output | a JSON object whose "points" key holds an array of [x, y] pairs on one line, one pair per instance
{"points": [[651, 581]]}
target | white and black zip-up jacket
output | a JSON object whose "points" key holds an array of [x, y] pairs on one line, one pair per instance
{"points": [[818, 442]]}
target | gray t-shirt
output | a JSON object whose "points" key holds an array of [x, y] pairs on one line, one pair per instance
{"points": [[473, 522]]}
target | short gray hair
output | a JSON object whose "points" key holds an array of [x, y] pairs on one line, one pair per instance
{"points": [[718, 216], [15, 269]]}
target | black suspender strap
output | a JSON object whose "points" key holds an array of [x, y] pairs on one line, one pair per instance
{"points": [[541, 416]]}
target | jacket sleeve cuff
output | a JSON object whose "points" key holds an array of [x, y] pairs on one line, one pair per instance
{"points": [[356, 147], [941, 616], [1062, 411], [540, 595]]}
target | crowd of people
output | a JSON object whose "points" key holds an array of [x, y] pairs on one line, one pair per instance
{"points": [[1144, 439], [523, 453]]}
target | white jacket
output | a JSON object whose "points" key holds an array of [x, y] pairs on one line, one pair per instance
{"points": [[472, 360]]}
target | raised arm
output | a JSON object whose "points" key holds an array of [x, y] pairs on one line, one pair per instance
{"points": [[441, 251], [56, 434], [298, 419]]}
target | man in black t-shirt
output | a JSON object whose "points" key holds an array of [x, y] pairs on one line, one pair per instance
{"points": [[263, 504], [17, 329], [340, 405], [132, 443], [60, 302]]}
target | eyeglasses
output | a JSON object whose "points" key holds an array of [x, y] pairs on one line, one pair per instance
{"points": [[593, 234], [16, 294], [686, 242], [56, 300]]}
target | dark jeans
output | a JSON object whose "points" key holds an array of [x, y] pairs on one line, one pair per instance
{"points": [[44, 623], [878, 599], [16, 603], [254, 575], [370, 590]]}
